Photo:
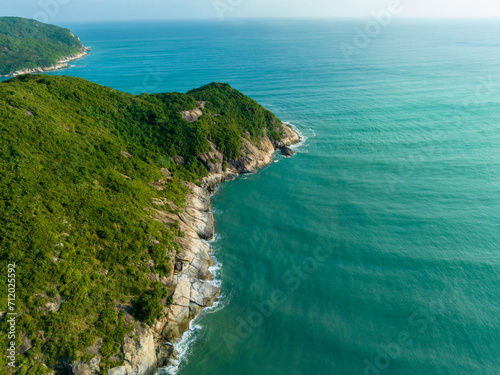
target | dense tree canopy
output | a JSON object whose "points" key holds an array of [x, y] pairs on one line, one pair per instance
{"points": [[27, 44], [76, 165]]}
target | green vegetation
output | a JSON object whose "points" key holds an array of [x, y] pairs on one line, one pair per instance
{"points": [[76, 165], [147, 307], [28, 44], [238, 115]]}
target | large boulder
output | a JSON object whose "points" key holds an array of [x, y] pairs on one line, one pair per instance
{"points": [[140, 354], [190, 297], [179, 160], [212, 160], [288, 137], [287, 151], [166, 354]]}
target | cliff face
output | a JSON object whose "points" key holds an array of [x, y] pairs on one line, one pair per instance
{"points": [[253, 158], [147, 349]]}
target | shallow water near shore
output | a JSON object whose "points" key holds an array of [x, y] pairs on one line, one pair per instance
{"points": [[375, 249]]}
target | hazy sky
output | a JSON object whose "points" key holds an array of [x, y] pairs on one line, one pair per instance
{"points": [[54, 11]]}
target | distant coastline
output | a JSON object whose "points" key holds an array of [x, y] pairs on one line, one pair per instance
{"points": [[62, 63]]}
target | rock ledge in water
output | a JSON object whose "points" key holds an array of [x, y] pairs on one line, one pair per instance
{"points": [[287, 151]]}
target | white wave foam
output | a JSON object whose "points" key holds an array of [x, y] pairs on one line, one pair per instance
{"points": [[215, 271], [298, 147], [215, 238], [303, 136], [185, 344], [216, 211]]}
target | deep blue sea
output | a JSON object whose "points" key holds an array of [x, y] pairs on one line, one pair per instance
{"points": [[376, 248]]}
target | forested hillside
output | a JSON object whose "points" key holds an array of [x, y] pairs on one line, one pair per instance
{"points": [[28, 44], [77, 163]]}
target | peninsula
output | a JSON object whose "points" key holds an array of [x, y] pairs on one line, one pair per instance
{"points": [[29, 46], [105, 206]]}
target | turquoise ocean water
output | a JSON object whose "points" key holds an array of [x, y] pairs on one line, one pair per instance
{"points": [[374, 250]]}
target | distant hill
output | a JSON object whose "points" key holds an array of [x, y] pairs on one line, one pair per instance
{"points": [[28, 46]]}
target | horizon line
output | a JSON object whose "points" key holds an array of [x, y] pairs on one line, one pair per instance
{"points": [[268, 18]]}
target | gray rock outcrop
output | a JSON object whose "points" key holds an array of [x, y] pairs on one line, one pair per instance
{"points": [[139, 350], [147, 348]]}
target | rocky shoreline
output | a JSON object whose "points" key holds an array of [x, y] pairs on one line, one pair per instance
{"points": [[147, 349], [61, 64]]}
